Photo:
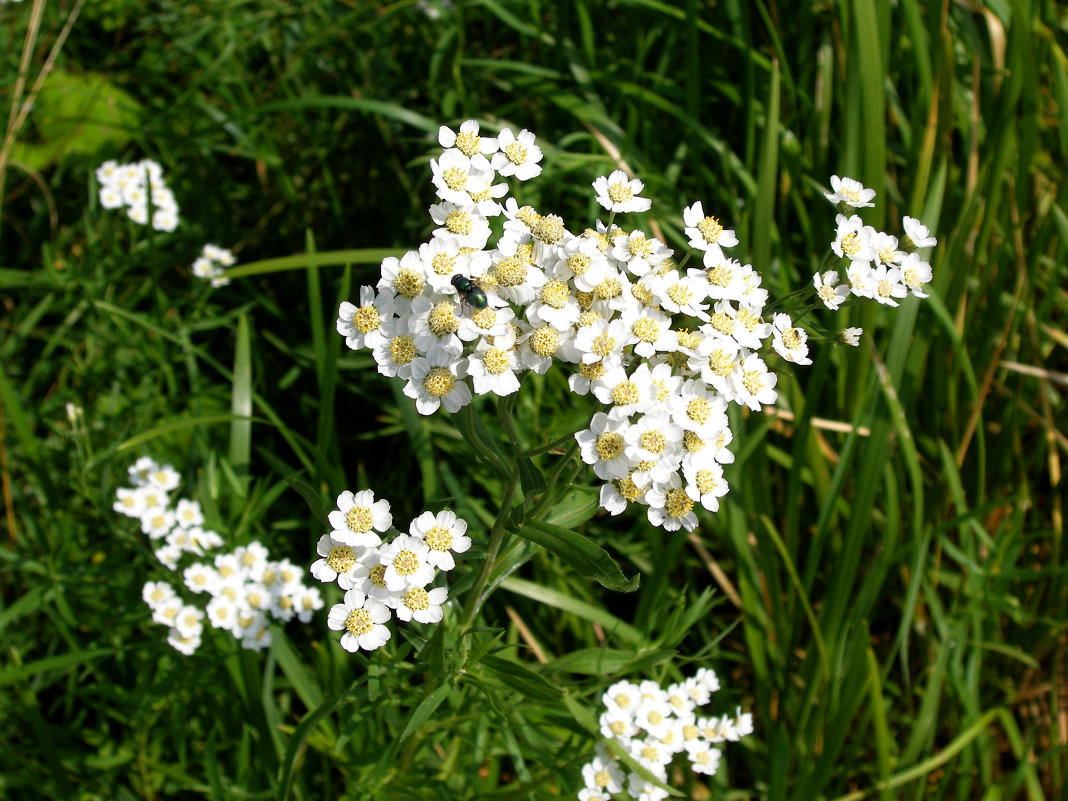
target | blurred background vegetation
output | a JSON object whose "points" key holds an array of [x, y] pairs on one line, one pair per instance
{"points": [[890, 603]]}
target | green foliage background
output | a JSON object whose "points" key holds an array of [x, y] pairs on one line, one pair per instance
{"points": [[891, 606]]}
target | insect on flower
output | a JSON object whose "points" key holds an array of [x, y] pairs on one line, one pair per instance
{"points": [[470, 291]]}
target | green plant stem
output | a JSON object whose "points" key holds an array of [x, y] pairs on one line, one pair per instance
{"points": [[474, 596]]}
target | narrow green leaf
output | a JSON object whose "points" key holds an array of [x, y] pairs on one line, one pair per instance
{"points": [[522, 679], [241, 405], [426, 709], [312, 498], [580, 553]]}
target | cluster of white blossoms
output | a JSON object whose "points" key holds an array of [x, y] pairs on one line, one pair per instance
{"points": [[880, 267], [246, 588], [382, 578], [138, 186], [211, 262], [653, 725], [664, 347]]}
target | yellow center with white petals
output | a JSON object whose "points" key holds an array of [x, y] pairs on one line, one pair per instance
{"points": [[710, 230], [626, 393], [359, 622], [341, 559], [603, 344], [366, 319], [706, 481], [406, 562], [454, 178], [629, 490], [638, 246], [721, 363], [608, 289], [579, 263], [680, 294], [753, 381], [439, 382], [417, 599], [653, 440], [593, 371], [516, 153], [496, 361], [459, 222], [620, 192], [748, 318], [851, 244], [439, 538], [645, 329], [402, 349], [378, 576], [442, 319], [691, 442], [511, 271], [791, 339], [720, 276], [485, 318], [609, 446], [544, 341], [528, 216], [699, 410], [467, 143], [723, 323], [359, 519], [602, 778], [912, 277], [678, 503], [409, 283], [443, 264], [643, 295], [885, 289], [555, 294], [549, 229]]}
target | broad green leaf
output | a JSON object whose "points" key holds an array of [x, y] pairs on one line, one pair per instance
{"points": [[580, 553]]}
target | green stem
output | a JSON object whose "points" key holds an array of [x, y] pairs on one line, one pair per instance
{"points": [[474, 595]]}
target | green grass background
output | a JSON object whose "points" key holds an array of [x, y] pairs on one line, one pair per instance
{"points": [[891, 606]]}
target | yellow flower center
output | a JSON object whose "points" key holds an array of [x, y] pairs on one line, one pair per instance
{"points": [[609, 447], [439, 382], [359, 622], [341, 558], [359, 519]]}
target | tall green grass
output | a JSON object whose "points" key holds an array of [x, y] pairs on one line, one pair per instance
{"points": [[890, 602]]}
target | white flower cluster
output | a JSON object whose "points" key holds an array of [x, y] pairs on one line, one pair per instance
{"points": [[247, 589], [135, 186], [381, 578], [653, 725], [210, 264], [880, 267], [664, 347]]}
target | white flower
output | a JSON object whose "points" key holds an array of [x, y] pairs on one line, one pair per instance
{"points": [[603, 773], [469, 143], [518, 155], [444, 534], [181, 643], [850, 192], [222, 612], [357, 517], [306, 601], [455, 179], [753, 383], [707, 234], [437, 381], [422, 606], [670, 506], [637, 253], [492, 369], [617, 194], [156, 593], [157, 523], [362, 620], [362, 326], [705, 483], [603, 445], [404, 278], [703, 757], [188, 514], [831, 295], [915, 273], [395, 353], [188, 621], [850, 336], [407, 564], [852, 240], [337, 559], [164, 478], [253, 560], [790, 343], [201, 578], [917, 236], [887, 285], [131, 502]]}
